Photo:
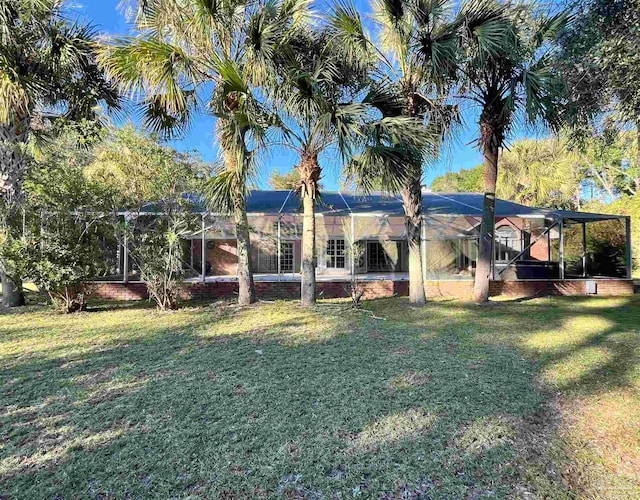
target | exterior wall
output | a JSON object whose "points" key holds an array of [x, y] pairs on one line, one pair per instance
{"points": [[560, 287], [221, 256], [461, 289], [442, 232], [540, 249]]}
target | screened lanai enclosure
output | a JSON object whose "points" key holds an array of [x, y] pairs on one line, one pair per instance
{"points": [[365, 235]]}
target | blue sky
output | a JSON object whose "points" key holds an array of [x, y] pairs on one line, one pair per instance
{"points": [[460, 152]]}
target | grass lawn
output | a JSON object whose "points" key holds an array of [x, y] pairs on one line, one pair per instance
{"points": [[540, 397]]}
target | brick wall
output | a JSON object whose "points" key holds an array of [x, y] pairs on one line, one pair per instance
{"points": [[461, 289], [559, 287]]}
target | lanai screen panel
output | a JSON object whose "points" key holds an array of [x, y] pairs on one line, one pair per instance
{"points": [[263, 231], [381, 241], [220, 247], [451, 246], [333, 237], [602, 254], [524, 248]]}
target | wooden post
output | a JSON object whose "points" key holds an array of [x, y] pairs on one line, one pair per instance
{"points": [[203, 246]]}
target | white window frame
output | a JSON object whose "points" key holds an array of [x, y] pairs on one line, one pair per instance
{"points": [[513, 244], [284, 255], [333, 254]]}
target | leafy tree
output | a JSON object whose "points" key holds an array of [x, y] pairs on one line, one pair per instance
{"points": [[600, 62], [135, 170], [218, 54], [467, 180], [608, 161], [511, 77], [63, 222], [286, 181], [47, 69]]}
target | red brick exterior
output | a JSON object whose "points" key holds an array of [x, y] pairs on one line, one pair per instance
{"points": [[559, 287], [461, 289]]}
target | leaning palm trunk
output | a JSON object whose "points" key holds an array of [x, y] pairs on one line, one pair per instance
{"points": [[309, 177], [12, 167], [246, 288], [412, 202], [485, 250]]}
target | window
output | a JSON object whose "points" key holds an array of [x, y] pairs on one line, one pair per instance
{"points": [[286, 256], [508, 243], [335, 254], [268, 259], [379, 258]]}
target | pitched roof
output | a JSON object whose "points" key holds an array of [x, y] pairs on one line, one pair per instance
{"points": [[344, 203]]}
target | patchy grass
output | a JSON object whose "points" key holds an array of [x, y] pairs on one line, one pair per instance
{"points": [[451, 400]]}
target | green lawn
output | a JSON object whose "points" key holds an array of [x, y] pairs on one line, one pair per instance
{"points": [[449, 401]]}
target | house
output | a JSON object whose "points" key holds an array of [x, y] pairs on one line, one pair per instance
{"points": [[536, 250]]}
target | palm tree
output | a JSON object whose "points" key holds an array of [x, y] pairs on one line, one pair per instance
{"points": [[542, 173], [330, 101], [47, 71], [421, 43], [217, 56], [511, 76], [311, 85]]}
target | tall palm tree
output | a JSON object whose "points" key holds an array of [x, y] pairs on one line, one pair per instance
{"points": [[217, 56], [311, 88], [420, 43], [47, 70], [512, 77], [329, 100]]}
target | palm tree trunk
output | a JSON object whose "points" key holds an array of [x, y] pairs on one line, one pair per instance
{"points": [[246, 288], [12, 166], [309, 170], [485, 250], [412, 202]]}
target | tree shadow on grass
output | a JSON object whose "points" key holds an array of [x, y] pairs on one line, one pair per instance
{"points": [[586, 356], [270, 401]]}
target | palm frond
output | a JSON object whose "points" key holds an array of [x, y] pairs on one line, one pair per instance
{"points": [[160, 75], [348, 35], [551, 27], [486, 23], [219, 191], [382, 167]]}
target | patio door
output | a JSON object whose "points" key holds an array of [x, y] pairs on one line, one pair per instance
{"points": [[383, 257]]}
